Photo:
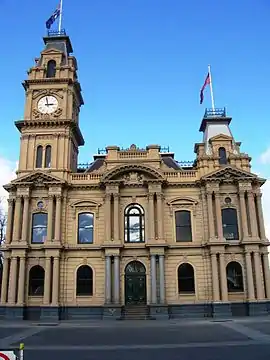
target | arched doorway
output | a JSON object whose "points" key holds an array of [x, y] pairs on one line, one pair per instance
{"points": [[135, 283]]}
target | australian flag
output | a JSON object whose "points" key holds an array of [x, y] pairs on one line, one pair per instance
{"points": [[53, 17]]}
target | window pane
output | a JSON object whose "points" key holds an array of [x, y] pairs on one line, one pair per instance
{"points": [[84, 281], [222, 156], [48, 152], [134, 229], [183, 233], [86, 228], [36, 281], [134, 224], [39, 157], [182, 218], [234, 277], [230, 224], [39, 228], [51, 69], [186, 281]]}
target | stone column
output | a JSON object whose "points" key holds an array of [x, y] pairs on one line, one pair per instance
{"points": [[108, 280], [153, 280], [108, 234], [50, 219], [116, 287], [258, 276], [55, 287], [223, 278], [57, 236], [243, 214], [210, 215], [17, 219], [4, 282], [9, 221], [151, 219], [160, 216], [266, 270], [260, 216], [47, 281], [21, 287], [215, 279], [116, 217], [12, 281], [252, 213], [218, 217], [162, 279], [25, 223], [250, 283]]}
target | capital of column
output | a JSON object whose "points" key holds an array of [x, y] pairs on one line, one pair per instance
{"points": [[250, 194], [150, 196], [160, 196], [116, 196]]}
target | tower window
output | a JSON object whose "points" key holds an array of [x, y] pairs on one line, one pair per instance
{"points": [[222, 156], [39, 156], [51, 69], [48, 153]]}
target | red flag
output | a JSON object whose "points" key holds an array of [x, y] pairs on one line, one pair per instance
{"points": [[207, 82]]}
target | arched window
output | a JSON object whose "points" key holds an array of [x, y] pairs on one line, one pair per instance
{"points": [[183, 225], [84, 281], [230, 224], [134, 223], [234, 277], [36, 281], [222, 156], [39, 228], [39, 156], [85, 228], [186, 282], [51, 69], [48, 155]]}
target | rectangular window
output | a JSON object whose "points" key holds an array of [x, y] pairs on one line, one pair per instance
{"points": [[183, 226]]}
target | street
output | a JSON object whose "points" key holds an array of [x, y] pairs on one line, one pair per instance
{"points": [[181, 339]]}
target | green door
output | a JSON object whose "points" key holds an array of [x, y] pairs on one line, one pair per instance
{"points": [[135, 284]]}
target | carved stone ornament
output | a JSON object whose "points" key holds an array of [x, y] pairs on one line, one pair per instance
{"points": [[133, 178], [38, 116], [47, 92], [86, 205], [40, 205]]}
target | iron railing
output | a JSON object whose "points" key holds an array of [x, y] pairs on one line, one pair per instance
{"points": [[220, 112]]}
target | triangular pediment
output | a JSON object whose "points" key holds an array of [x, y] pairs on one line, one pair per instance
{"points": [[221, 137], [37, 178], [51, 51], [230, 173]]}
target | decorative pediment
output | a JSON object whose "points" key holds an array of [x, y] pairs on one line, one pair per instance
{"points": [[182, 203], [38, 179], [229, 173], [51, 51], [220, 137], [133, 174], [85, 205]]}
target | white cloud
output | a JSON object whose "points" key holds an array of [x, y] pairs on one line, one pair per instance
{"points": [[7, 173], [266, 206], [265, 157]]}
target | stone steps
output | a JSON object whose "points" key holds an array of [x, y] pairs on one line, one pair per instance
{"points": [[135, 312]]}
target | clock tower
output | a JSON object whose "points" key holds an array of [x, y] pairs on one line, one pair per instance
{"points": [[50, 133]]}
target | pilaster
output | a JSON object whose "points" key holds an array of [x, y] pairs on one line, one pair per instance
{"points": [[4, 287], [215, 278], [25, 223], [243, 212], [250, 282], [21, 285], [160, 217], [209, 195], [10, 220], [116, 217], [55, 287], [151, 220]]}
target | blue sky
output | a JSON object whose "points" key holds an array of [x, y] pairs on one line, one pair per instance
{"points": [[141, 66]]}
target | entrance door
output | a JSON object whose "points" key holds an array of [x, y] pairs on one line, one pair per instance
{"points": [[135, 283]]}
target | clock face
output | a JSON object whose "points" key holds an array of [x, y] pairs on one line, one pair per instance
{"points": [[47, 104]]}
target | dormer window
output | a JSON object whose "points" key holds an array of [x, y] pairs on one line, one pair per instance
{"points": [[51, 69], [222, 156]]}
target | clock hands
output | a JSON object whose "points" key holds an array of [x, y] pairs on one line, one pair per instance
{"points": [[47, 103]]}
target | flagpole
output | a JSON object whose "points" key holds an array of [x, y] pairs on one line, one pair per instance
{"points": [[60, 16], [211, 88]]}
